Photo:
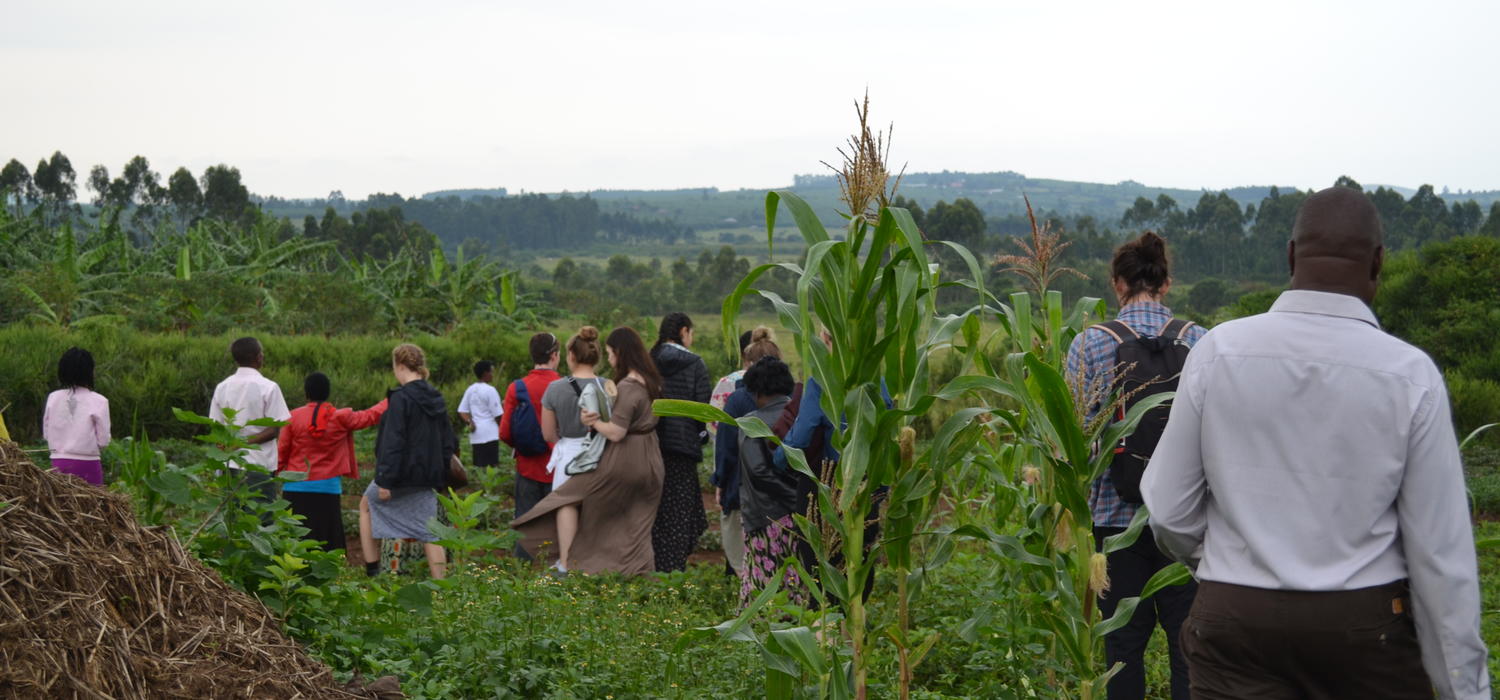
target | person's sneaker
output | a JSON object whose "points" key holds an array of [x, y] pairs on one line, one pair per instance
{"points": [[372, 569], [557, 571]]}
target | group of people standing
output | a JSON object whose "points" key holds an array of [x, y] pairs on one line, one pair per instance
{"points": [[639, 508], [1307, 471]]}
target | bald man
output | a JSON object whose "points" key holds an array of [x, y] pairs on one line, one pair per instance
{"points": [[1310, 476]]}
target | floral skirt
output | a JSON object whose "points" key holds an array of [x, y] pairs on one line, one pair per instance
{"points": [[765, 550]]}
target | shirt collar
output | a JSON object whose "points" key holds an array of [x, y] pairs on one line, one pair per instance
{"points": [[1304, 301], [1145, 307], [247, 372]]}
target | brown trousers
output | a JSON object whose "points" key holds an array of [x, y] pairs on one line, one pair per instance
{"points": [[1244, 642]]}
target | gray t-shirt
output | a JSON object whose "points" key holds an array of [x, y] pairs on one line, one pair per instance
{"points": [[563, 401]]}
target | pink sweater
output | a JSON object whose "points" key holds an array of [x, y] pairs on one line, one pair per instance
{"points": [[76, 423]]}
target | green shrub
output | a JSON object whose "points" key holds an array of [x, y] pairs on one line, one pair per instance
{"points": [[1476, 402], [146, 375]]}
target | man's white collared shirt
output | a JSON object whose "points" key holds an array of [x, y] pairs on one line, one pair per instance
{"points": [[1309, 450]]}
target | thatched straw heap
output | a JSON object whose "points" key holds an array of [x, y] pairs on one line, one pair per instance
{"points": [[92, 605]]}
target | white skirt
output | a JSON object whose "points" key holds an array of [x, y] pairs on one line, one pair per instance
{"points": [[563, 451]]}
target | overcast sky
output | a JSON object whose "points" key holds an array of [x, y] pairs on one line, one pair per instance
{"points": [[308, 97]]}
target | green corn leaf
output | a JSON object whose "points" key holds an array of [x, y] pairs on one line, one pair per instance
{"points": [[1115, 543], [1057, 400], [1119, 430], [807, 220], [1020, 317], [1174, 574], [799, 643]]}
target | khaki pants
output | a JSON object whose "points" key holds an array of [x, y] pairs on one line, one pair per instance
{"points": [[732, 534]]}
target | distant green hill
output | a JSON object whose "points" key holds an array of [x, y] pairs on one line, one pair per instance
{"points": [[997, 194]]}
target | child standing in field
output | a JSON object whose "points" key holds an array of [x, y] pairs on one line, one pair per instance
{"points": [[480, 409], [252, 396], [76, 420], [319, 441]]}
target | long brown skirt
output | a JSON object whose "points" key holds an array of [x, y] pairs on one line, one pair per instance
{"points": [[616, 508]]}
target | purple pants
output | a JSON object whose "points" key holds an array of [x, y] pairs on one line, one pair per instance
{"points": [[87, 469]]}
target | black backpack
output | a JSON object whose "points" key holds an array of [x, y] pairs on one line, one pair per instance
{"points": [[1151, 366], [525, 429]]}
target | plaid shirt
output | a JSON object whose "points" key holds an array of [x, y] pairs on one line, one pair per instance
{"points": [[1091, 356]]}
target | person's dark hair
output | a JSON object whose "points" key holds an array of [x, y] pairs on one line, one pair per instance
{"points": [[769, 376], [631, 356], [1142, 264], [244, 351], [745, 339], [672, 326], [76, 368], [317, 387], [482, 368], [542, 347], [584, 346]]}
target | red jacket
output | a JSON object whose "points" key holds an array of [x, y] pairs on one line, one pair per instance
{"points": [[533, 467], [325, 449]]}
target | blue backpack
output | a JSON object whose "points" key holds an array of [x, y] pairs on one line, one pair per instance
{"points": [[525, 430]]}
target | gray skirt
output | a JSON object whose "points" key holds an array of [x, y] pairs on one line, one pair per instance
{"points": [[405, 516]]}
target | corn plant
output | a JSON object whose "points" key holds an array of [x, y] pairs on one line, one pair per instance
{"points": [[864, 322], [873, 293]]}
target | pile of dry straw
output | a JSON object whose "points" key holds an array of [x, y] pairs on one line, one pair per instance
{"points": [[92, 605]]}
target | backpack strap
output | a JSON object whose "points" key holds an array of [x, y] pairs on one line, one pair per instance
{"points": [[578, 390], [1118, 330], [522, 394], [1176, 329]]}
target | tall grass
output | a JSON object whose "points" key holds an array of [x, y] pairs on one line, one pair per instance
{"points": [[146, 375]]}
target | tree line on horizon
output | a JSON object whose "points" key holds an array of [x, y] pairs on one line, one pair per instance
{"points": [[1216, 239]]}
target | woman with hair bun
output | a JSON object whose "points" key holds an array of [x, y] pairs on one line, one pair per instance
{"points": [[561, 423], [412, 452], [601, 520], [681, 518], [1140, 273]]}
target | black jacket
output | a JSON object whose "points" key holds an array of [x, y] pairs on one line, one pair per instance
{"points": [[416, 439], [683, 376], [767, 492]]}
